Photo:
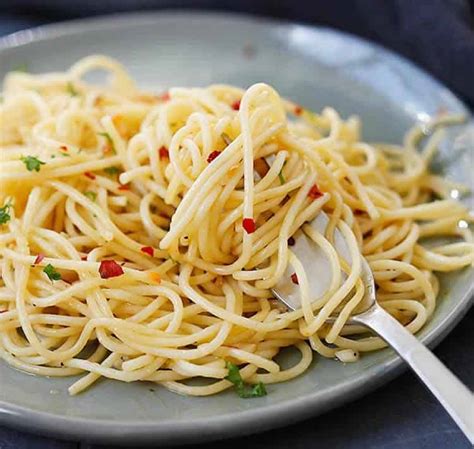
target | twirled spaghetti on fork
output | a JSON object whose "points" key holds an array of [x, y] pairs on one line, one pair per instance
{"points": [[141, 234]]}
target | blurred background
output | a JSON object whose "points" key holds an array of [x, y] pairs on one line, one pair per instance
{"points": [[436, 34]]}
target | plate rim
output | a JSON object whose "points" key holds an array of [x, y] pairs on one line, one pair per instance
{"points": [[230, 424]]}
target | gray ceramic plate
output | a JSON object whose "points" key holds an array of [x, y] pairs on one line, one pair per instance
{"points": [[315, 67]]}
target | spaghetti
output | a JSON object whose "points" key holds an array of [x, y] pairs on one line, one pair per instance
{"points": [[141, 234]]}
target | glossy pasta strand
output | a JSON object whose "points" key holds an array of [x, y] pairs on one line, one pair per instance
{"points": [[193, 204]]}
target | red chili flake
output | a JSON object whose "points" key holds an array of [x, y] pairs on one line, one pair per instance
{"points": [[124, 187], [83, 257], [63, 147], [38, 259], [314, 192], [359, 212], [148, 250], [164, 153], [294, 279], [236, 105], [291, 241], [298, 110], [89, 175], [213, 155], [249, 225], [165, 96], [110, 269]]}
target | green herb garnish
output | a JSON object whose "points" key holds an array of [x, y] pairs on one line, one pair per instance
{"points": [[91, 195], [4, 213], [258, 390], [244, 391], [111, 170], [32, 163], [109, 140], [234, 374], [52, 273], [281, 177], [71, 89]]}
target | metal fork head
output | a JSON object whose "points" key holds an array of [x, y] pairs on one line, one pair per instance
{"points": [[318, 269]]}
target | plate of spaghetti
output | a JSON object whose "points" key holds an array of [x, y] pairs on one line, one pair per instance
{"points": [[154, 174]]}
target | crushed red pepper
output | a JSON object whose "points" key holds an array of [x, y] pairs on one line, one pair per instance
{"points": [[163, 153], [110, 269], [314, 192], [213, 155], [148, 250], [249, 225], [236, 105]]}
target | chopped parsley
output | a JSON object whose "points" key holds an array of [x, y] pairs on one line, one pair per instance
{"points": [[32, 163], [71, 89], [244, 391], [4, 214], [258, 390], [111, 170], [91, 195], [109, 140], [52, 273], [234, 374], [281, 177]]}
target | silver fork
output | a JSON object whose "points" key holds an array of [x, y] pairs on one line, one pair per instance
{"points": [[455, 397]]}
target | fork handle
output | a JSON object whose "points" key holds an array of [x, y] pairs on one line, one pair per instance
{"points": [[455, 397]]}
